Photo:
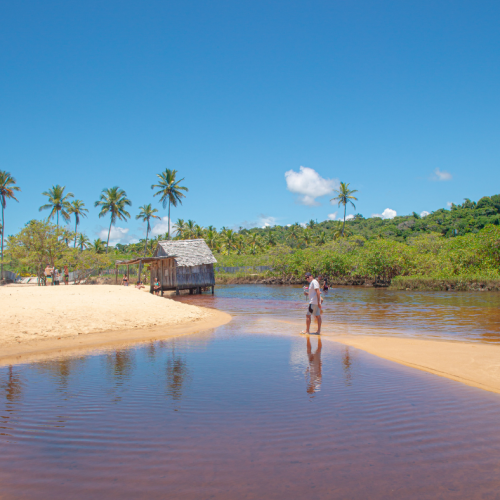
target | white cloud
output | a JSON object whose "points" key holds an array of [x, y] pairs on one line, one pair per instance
{"points": [[449, 204], [303, 224], [266, 221], [441, 175], [388, 213], [309, 185], [424, 213], [350, 216], [332, 216], [161, 227], [117, 235]]}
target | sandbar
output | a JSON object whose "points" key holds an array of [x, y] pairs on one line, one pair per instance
{"points": [[39, 322], [474, 364]]}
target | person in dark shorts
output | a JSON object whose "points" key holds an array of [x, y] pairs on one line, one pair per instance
{"points": [[66, 275], [314, 306]]}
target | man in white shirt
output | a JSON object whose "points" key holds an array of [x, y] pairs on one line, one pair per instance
{"points": [[314, 307]]}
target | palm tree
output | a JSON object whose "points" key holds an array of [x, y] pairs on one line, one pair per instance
{"points": [[293, 234], [169, 190], [77, 207], [229, 239], [181, 228], [98, 246], [344, 196], [211, 239], [113, 201], [199, 232], [271, 239], [311, 224], [307, 237], [146, 214], [190, 229], [7, 189], [255, 243], [83, 241], [58, 202], [321, 238]]}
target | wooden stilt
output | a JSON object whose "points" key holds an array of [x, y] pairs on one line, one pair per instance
{"points": [[213, 289], [116, 275]]}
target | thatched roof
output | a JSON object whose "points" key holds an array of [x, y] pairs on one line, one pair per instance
{"points": [[186, 252]]}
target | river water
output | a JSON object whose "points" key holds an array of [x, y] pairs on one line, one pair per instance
{"points": [[253, 410]]}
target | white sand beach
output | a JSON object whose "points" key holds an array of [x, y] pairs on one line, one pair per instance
{"points": [[36, 319]]}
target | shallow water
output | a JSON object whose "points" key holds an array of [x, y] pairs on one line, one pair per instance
{"points": [[467, 316], [248, 410]]}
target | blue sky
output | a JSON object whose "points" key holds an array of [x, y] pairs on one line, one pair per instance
{"points": [[400, 99]]}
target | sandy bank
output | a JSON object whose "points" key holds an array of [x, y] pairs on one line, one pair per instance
{"points": [[40, 321], [473, 364]]}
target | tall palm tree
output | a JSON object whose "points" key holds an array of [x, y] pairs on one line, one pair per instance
{"points": [[169, 190], [83, 241], [77, 207], [113, 201], [344, 196], [58, 202], [7, 189], [146, 214]]}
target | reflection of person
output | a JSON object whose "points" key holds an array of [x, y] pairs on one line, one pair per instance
{"points": [[314, 307], [314, 369], [347, 362]]}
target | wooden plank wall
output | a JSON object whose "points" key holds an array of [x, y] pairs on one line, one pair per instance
{"points": [[195, 276]]}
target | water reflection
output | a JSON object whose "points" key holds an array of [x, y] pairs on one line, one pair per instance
{"points": [[346, 363], [13, 386], [177, 374], [313, 371], [469, 316], [121, 364]]}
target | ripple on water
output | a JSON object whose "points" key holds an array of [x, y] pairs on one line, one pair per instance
{"points": [[242, 414]]}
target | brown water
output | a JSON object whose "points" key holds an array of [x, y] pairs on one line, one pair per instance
{"points": [[249, 410], [459, 316]]}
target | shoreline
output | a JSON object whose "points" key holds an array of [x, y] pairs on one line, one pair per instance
{"points": [[45, 349], [476, 365]]}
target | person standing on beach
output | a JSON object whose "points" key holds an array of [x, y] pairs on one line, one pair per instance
{"points": [[66, 275], [314, 307]]}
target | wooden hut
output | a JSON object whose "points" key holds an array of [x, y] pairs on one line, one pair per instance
{"points": [[180, 265]]}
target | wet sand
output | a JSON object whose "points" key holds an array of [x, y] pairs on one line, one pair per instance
{"points": [[477, 365], [40, 322]]}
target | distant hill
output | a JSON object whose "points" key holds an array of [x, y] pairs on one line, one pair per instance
{"points": [[469, 217]]}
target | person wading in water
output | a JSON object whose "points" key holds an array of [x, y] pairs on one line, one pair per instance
{"points": [[314, 307]]}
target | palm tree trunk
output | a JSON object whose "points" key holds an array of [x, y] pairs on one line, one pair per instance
{"points": [[145, 249], [57, 211], [169, 218], [343, 225], [3, 232], [76, 227], [109, 232]]}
